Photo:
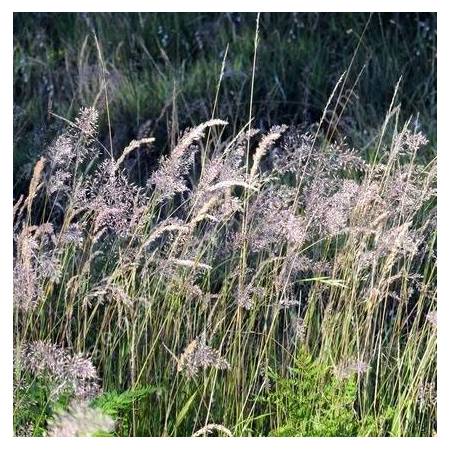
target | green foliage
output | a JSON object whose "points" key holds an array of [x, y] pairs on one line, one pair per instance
{"points": [[313, 402], [119, 405], [34, 404]]}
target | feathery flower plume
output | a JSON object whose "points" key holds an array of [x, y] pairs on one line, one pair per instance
{"points": [[108, 293], [190, 263], [50, 267], [80, 420], [133, 145], [267, 141], [70, 149], [87, 122], [165, 227], [345, 369], [288, 302], [116, 203], [408, 142], [208, 429], [66, 372], [432, 318], [273, 222], [73, 235], [35, 182], [198, 355], [426, 395], [168, 179], [299, 329], [230, 183], [203, 213], [27, 287]]}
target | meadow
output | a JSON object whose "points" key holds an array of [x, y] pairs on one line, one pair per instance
{"points": [[225, 224]]}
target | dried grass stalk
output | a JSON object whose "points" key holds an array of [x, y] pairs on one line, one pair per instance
{"points": [[208, 429], [133, 145], [263, 147], [35, 183]]}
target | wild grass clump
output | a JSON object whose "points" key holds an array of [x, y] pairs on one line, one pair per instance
{"points": [[250, 286], [161, 71]]}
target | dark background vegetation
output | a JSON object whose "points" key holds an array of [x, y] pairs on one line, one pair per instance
{"points": [[161, 72]]}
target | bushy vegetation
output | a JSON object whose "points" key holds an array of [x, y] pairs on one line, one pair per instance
{"points": [[316, 402], [255, 279]]}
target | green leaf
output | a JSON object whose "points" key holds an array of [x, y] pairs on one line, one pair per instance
{"points": [[182, 414]]}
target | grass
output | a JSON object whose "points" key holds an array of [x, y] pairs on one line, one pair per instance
{"points": [[248, 283], [164, 68]]}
